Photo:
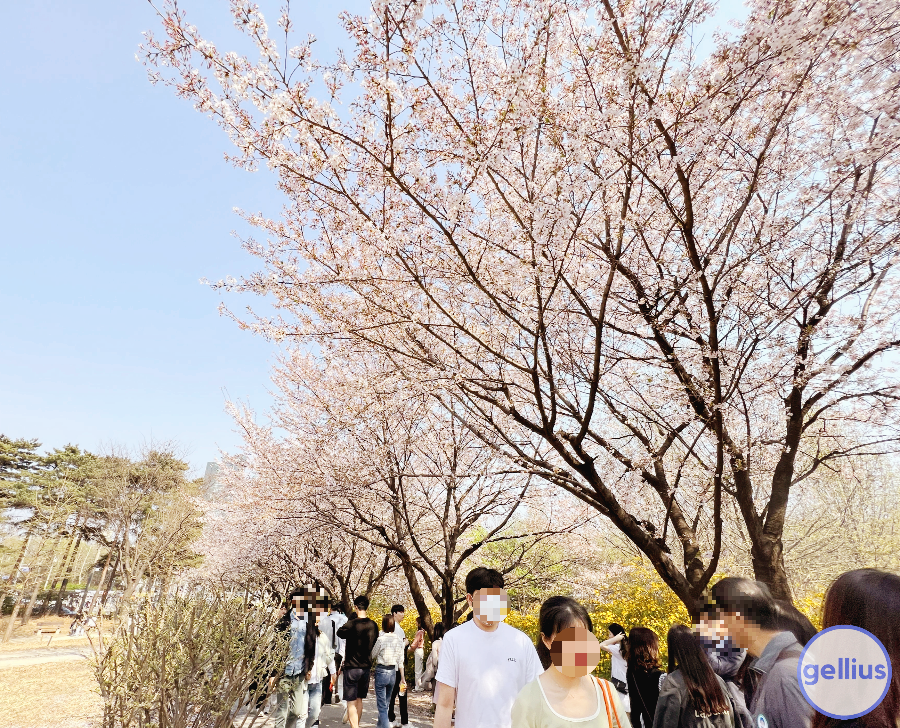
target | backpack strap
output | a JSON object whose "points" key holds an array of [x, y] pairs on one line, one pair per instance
{"points": [[611, 711]]}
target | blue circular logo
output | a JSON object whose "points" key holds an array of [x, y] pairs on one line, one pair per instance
{"points": [[844, 672]]}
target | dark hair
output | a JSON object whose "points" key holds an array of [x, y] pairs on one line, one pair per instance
{"points": [[309, 642], [751, 599], [557, 614], [339, 607], [643, 649], [438, 632], [361, 602], [397, 608], [483, 578], [616, 629], [387, 623], [790, 619], [469, 616], [686, 654], [868, 598]]}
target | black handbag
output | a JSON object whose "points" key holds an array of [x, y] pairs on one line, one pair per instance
{"points": [[620, 685]]}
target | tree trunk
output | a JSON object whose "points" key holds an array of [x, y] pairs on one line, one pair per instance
{"points": [[69, 554], [768, 566], [14, 574], [448, 608], [68, 573], [26, 617], [86, 589], [112, 577], [416, 593], [12, 620], [95, 602], [87, 556]]}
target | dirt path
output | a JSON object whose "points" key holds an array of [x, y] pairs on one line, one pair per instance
{"points": [[40, 655]]}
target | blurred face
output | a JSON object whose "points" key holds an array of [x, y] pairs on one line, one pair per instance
{"points": [[710, 625], [735, 626], [575, 651], [489, 605], [398, 617]]}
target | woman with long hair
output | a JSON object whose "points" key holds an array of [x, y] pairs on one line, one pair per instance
{"points": [[388, 657], [870, 599], [617, 647], [566, 694], [434, 657], [692, 694], [418, 648], [644, 675], [318, 659]]}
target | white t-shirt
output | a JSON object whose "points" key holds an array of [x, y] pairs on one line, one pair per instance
{"points": [[618, 668], [329, 625], [488, 669]]}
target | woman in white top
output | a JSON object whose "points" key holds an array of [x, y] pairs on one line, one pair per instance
{"points": [[323, 664], [388, 656], [566, 695], [617, 647]]}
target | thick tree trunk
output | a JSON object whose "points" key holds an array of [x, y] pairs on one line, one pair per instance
{"points": [[416, 592], [448, 608], [768, 567]]}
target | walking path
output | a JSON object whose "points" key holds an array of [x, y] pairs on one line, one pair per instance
{"points": [[40, 655], [330, 717]]}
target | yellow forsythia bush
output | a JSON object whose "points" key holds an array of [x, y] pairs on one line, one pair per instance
{"points": [[637, 598]]}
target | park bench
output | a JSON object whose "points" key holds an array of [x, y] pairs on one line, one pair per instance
{"points": [[43, 629]]}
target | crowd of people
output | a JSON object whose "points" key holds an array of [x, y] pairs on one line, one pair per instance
{"points": [[736, 666]]}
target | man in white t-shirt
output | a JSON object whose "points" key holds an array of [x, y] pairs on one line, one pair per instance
{"points": [[484, 662], [329, 625]]}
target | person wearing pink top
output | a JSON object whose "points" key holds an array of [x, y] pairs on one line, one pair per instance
{"points": [[418, 648]]}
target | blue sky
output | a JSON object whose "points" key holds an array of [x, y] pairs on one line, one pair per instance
{"points": [[115, 201]]}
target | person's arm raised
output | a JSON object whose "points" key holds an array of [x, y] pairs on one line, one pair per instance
{"points": [[606, 645], [443, 711]]}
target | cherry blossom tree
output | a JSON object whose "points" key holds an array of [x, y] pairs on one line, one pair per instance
{"points": [[263, 532], [657, 281], [356, 456]]}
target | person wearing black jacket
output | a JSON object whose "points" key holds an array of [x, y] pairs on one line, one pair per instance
{"points": [[692, 694], [643, 676]]}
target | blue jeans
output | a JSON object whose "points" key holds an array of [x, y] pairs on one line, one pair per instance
{"points": [[314, 691], [293, 702], [384, 686]]}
